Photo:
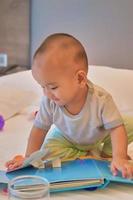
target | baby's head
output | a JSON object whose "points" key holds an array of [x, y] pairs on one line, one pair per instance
{"points": [[60, 66]]}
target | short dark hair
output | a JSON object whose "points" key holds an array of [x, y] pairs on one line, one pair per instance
{"points": [[80, 55]]}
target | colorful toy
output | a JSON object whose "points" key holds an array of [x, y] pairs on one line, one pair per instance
{"points": [[2, 122], [5, 191]]}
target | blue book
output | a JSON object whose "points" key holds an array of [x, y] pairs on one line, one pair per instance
{"points": [[73, 175]]}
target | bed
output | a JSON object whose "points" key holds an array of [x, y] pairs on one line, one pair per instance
{"points": [[19, 99]]}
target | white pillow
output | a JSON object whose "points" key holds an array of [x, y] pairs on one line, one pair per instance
{"points": [[21, 80], [116, 81], [12, 101], [17, 91]]}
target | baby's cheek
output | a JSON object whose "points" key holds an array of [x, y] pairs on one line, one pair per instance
{"points": [[57, 94]]}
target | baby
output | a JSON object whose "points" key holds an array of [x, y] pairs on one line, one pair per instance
{"points": [[85, 117]]}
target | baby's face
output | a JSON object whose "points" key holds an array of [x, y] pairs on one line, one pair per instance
{"points": [[59, 84]]}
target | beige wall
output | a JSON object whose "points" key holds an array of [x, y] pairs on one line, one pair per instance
{"points": [[105, 27]]}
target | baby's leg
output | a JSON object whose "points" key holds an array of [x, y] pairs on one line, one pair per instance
{"points": [[59, 146], [106, 150], [128, 122], [107, 147]]}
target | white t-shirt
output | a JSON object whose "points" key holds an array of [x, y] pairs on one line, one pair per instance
{"points": [[98, 115]]}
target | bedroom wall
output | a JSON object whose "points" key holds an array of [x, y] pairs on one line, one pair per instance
{"points": [[103, 26]]}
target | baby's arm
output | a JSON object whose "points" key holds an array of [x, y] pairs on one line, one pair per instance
{"points": [[35, 141], [119, 153]]}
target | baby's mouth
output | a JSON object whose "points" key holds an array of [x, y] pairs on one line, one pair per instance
{"points": [[55, 99]]}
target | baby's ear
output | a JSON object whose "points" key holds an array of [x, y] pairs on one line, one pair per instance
{"points": [[82, 78]]}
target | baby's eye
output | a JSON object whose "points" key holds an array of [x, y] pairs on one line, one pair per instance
{"points": [[54, 88]]}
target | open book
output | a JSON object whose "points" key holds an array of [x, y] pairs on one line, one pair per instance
{"points": [[73, 175]]}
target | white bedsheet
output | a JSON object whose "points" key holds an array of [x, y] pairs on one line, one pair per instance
{"points": [[13, 140]]}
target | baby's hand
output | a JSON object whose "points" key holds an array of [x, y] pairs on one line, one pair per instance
{"points": [[124, 166], [15, 163]]}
